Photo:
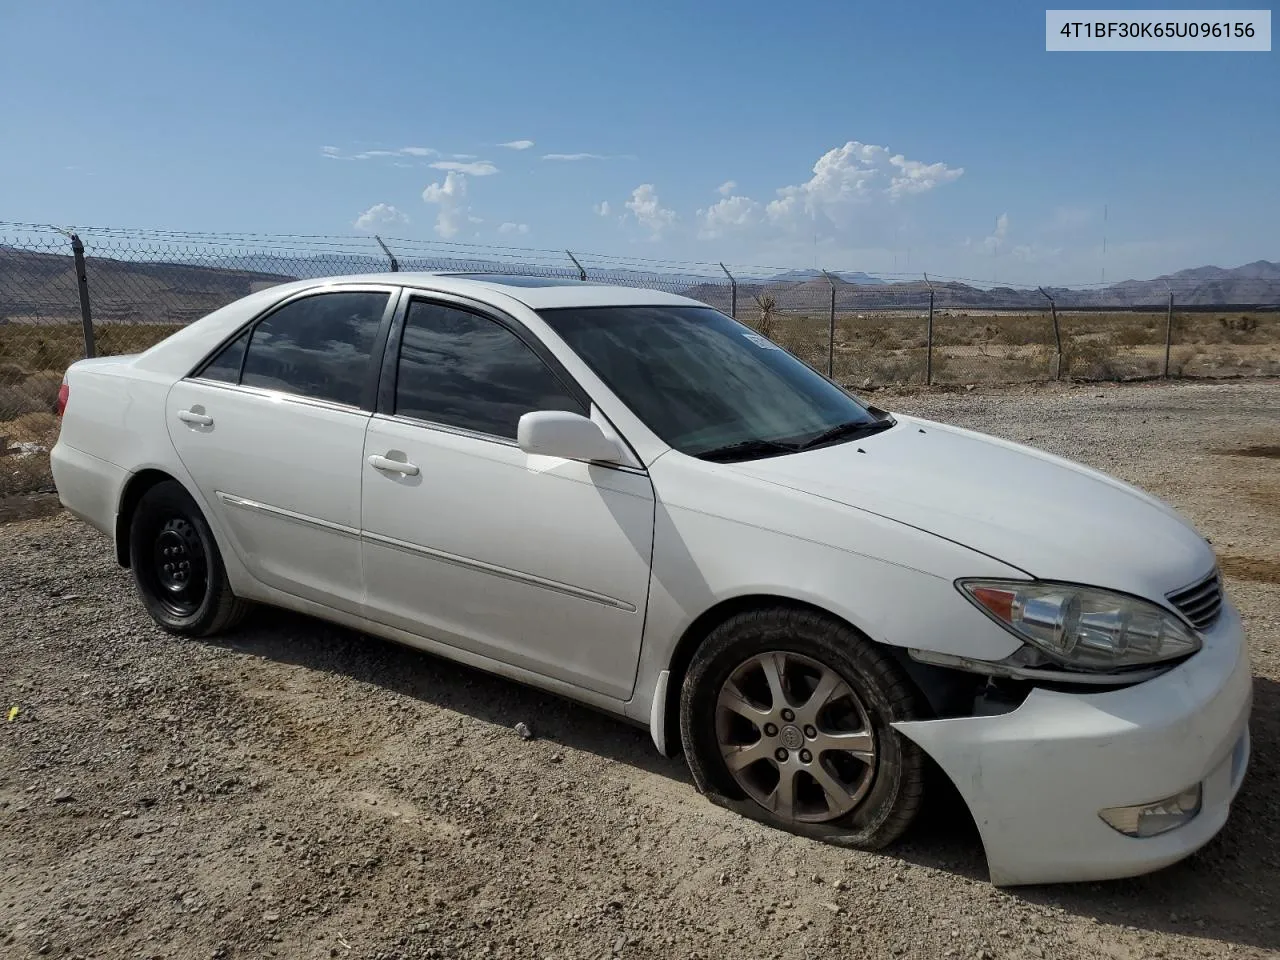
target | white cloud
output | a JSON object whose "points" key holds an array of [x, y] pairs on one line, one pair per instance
{"points": [[841, 176], [462, 156], [726, 188], [509, 228], [917, 177], [848, 177], [334, 153], [648, 211], [574, 156], [602, 208], [730, 213], [451, 199], [480, 168], [517, 144], [379, 215], [997, 238]]}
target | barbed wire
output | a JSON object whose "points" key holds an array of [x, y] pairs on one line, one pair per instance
{"points": [[164, 241]]}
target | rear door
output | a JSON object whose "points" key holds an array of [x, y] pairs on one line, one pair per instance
{"points": [[271, 430], [538, 562]]}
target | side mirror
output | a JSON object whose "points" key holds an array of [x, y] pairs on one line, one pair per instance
{"points": [[559, 433]]}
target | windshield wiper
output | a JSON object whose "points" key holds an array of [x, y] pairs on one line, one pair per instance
{"points": [[852, 430], [746, 449]]}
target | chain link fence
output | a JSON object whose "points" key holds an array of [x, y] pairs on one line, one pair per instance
{"points": [[67, 294]]}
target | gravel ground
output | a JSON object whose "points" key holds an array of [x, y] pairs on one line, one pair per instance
{"points": [[298, 790]]}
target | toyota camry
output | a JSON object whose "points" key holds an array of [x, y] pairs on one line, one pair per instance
{"points": [[629, 498]]}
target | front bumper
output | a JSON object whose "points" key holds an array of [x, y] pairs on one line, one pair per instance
{"points": [[1035, 778]]}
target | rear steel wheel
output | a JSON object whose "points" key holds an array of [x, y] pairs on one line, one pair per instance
{"points": [[180, 567], [176, 564]]}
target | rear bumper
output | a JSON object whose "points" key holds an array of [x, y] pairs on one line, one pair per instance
{"points": [[88, 487], [1035, 779]]}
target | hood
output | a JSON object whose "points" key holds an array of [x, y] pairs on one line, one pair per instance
{"points": [[1051, 518]]}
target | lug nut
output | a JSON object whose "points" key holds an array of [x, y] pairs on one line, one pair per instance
{"points": [[805, 756], [809, 731], [788, 715], [770, 730], [781, 754]]}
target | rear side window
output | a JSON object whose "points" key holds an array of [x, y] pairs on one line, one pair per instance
{"points": [[467, 371], [317, 347], [225, 367]]}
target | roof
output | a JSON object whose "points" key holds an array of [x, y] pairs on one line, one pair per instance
{"points": [[537, 293]]}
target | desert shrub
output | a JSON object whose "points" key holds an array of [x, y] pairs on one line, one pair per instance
{"points": [[43, 387], [1092, 359], [1132, 336], [12, 374], [39, 428], [18, 400]]}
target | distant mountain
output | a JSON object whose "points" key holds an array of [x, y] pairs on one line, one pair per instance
{"points": [[36, 286], [854, 276], [1253, 283], [1257, 282]]}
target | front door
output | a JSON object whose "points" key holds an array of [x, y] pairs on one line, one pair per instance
{"points": [[272, 432], [535, 561]]}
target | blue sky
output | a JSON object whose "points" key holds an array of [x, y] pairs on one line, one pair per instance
{"points": [[888, 137]]}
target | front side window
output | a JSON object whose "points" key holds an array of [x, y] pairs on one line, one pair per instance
{"points": [[317, 347], [708, 385], [463, 370]]}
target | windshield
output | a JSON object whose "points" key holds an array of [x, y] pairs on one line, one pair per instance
{"points": [[708, 385]]}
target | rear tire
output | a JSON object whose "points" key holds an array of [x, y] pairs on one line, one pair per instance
{"points": [[800, 705], [177, 567]]}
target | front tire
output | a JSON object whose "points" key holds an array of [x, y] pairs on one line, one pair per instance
{"points": [[785, 717], [177, 567]]}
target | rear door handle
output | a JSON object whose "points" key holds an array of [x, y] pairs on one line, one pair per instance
{"points": [[200, 419], [393, 466]]}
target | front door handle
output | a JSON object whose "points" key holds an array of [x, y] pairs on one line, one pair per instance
{"points": [[200, 419], [393, 466]]}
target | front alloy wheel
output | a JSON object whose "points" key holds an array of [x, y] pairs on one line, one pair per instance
{"points": [[786, 716], [795, 737]]}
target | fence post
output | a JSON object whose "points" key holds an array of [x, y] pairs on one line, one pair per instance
{"points": [[582, 274], [928, 356], [82, 283], [1057, 335], [1168, 334], [733, 292], [395, 264], [831, 329]]}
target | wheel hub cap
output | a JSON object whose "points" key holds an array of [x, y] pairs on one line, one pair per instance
{"points": [[179, 567], [795, 737]]}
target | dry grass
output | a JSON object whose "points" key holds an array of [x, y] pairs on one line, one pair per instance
{"points": [[889, 348], [33, 358]]}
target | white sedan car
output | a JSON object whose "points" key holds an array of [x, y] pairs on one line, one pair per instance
{"points": [[628, 498]]}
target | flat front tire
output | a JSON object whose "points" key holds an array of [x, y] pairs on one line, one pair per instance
{"points": [[785, 717], [177, 567]]}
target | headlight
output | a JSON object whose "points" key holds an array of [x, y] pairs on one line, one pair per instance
{"points": [[1083, 626]]}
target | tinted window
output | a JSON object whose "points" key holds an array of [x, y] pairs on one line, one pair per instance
{"points": [[702, 381], [317, 347], [226, 365], [467, 371]]}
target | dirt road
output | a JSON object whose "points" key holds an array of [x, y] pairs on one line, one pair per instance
{"points": [[301, 791]]}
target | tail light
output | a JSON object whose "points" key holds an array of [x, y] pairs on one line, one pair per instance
{"points": [[64, 392]]}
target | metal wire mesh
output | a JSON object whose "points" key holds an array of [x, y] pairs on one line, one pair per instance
{"points": [[140, 286]]}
